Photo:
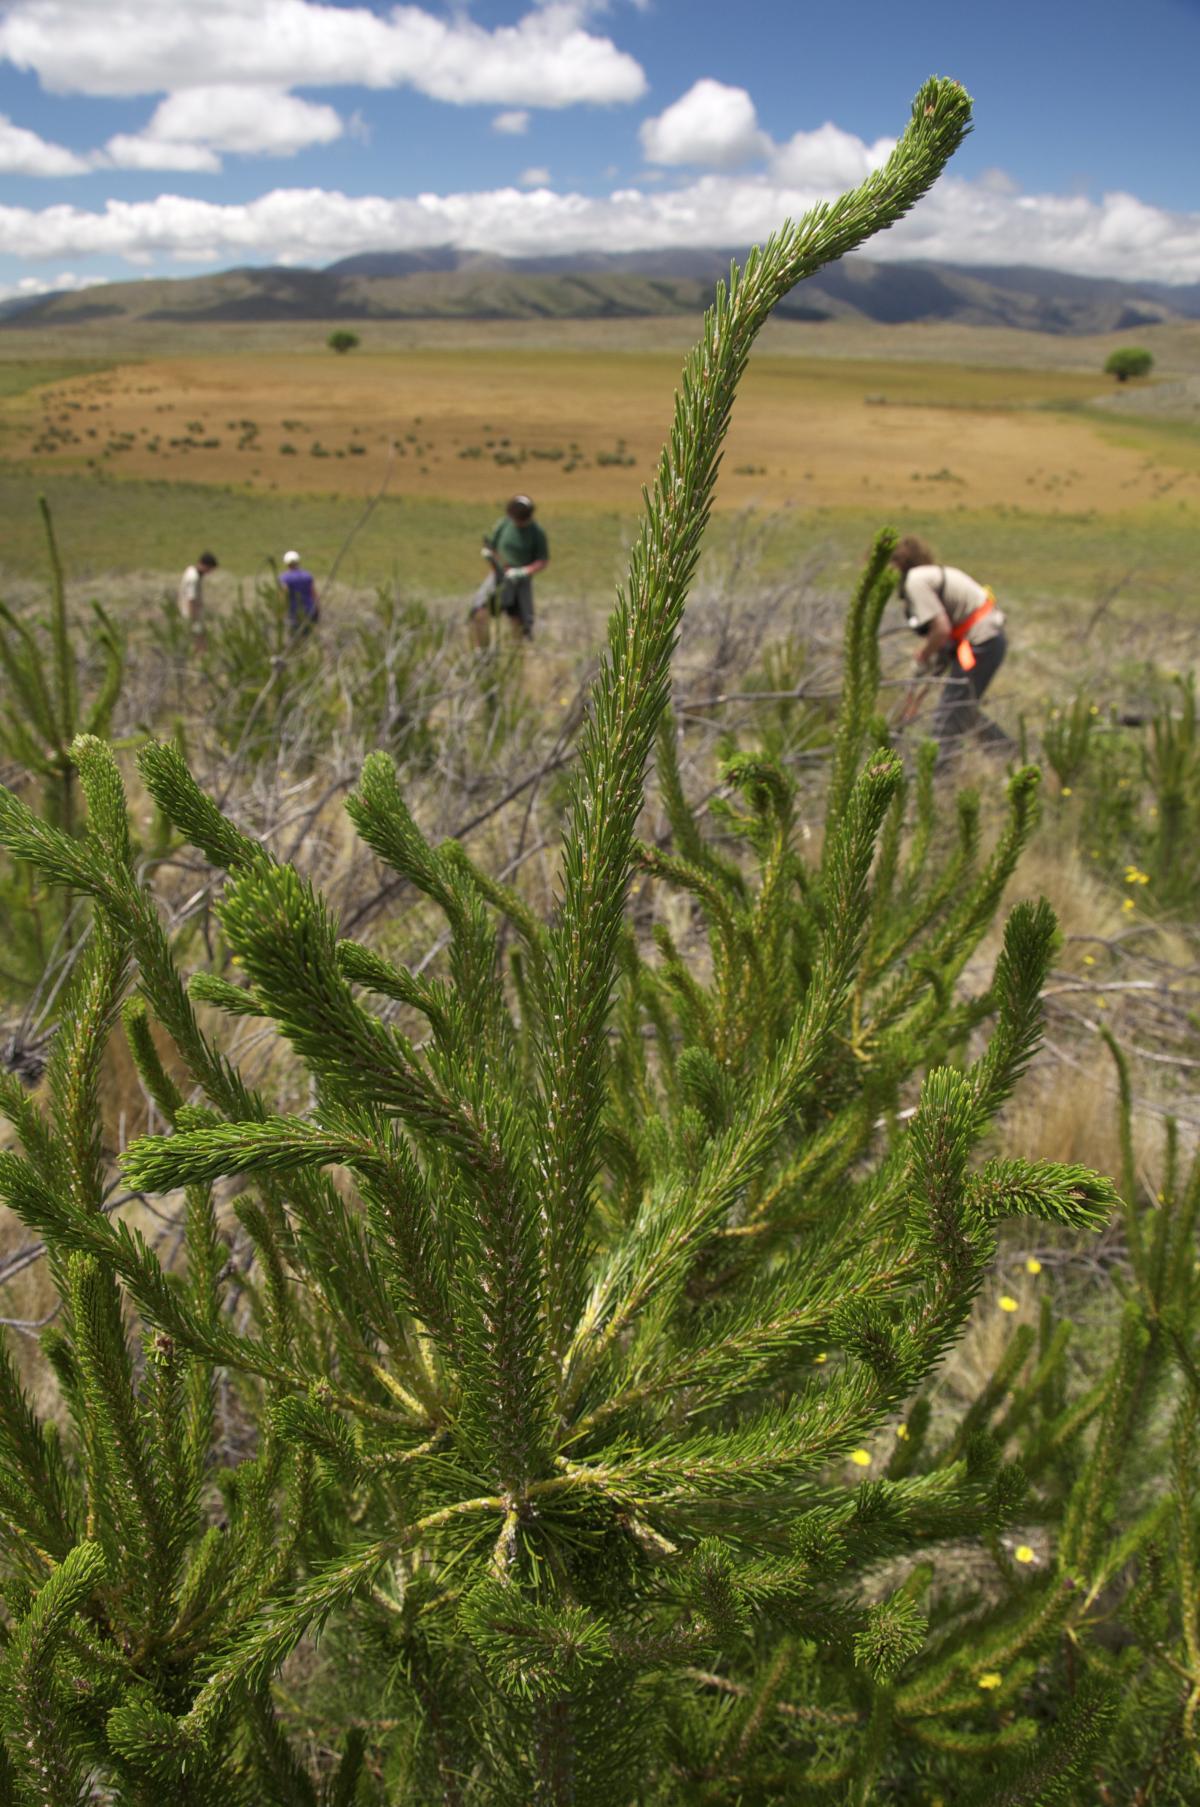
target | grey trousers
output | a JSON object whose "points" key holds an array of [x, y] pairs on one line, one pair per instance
{"points": [[958, 716], [506, 596]]}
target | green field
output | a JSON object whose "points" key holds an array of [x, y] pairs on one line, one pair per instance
{"points": [[19, 376], [429, 547]]}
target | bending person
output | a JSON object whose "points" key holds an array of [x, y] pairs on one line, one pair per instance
{"points": [[962, 638], [516, 549]]}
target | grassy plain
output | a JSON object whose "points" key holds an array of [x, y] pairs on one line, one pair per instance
{"points": [[1004, 446]]}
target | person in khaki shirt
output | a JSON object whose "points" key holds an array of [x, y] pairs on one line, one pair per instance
{"points": [[962, 641], [191, 597]]}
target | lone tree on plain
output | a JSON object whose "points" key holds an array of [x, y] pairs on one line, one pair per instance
{"points": [[342, 341], [1127, 361]]}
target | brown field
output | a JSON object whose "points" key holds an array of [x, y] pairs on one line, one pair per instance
{"points": [[581, 423]]}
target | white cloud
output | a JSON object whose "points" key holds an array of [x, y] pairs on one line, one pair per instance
{"points": [[190, 127], [127, 47], [23, 153], [514, 124], [534, 178], [245, 120], [30, 287], [827, 159], [710, 124], [998, 181], [128, 152], [966, 222]]}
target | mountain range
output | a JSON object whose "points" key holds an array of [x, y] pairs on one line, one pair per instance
{"points": [[443, 283]]}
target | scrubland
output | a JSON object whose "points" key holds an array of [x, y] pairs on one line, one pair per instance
{"points": [[1080, 515]]}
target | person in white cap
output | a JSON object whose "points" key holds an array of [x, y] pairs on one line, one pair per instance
{"points": [[300, 589], [516, 549]]}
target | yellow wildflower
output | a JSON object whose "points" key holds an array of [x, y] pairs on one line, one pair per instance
{"points": [[1032, 1265], [860, 1458], [1066, 790], [991, 1678], [902, 1432], [1023, 1553], [820, 1358], [1008, 1303], [1089, 959]]}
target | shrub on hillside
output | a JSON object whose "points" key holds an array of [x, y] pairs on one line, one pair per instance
{"points": [[1127, 361]]}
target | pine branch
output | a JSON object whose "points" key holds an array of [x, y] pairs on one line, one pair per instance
{"points": [[1058, 1762], [66, 682], [680, 1219], [263, 1646], [52, 1765], [36, 1497], [631, 691]]}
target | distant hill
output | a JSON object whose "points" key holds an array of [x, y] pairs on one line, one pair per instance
{"points": [[442, 283]]}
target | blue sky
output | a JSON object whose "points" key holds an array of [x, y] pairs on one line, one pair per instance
{"points": [[168, 136]]}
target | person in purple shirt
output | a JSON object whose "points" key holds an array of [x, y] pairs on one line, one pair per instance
{"points": [[301, 591]]}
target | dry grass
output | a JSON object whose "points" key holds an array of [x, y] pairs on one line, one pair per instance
{"points": [[1087, 909], [1068, 1110], [1063, 1115], [465, 424]]}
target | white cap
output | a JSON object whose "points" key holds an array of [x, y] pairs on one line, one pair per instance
{"points": [[291, 558]]}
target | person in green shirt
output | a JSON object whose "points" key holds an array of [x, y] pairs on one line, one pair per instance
{"points": [[516, 549]]}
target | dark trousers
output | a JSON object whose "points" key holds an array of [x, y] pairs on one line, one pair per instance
{"points": [[958, 716], [511, 596]]}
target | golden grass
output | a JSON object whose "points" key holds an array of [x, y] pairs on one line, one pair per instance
{"points": [[1053, 868], [584, 428]]}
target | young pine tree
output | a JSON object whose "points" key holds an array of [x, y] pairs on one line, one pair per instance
{"points": [[41, 712], [525, 1366]]}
